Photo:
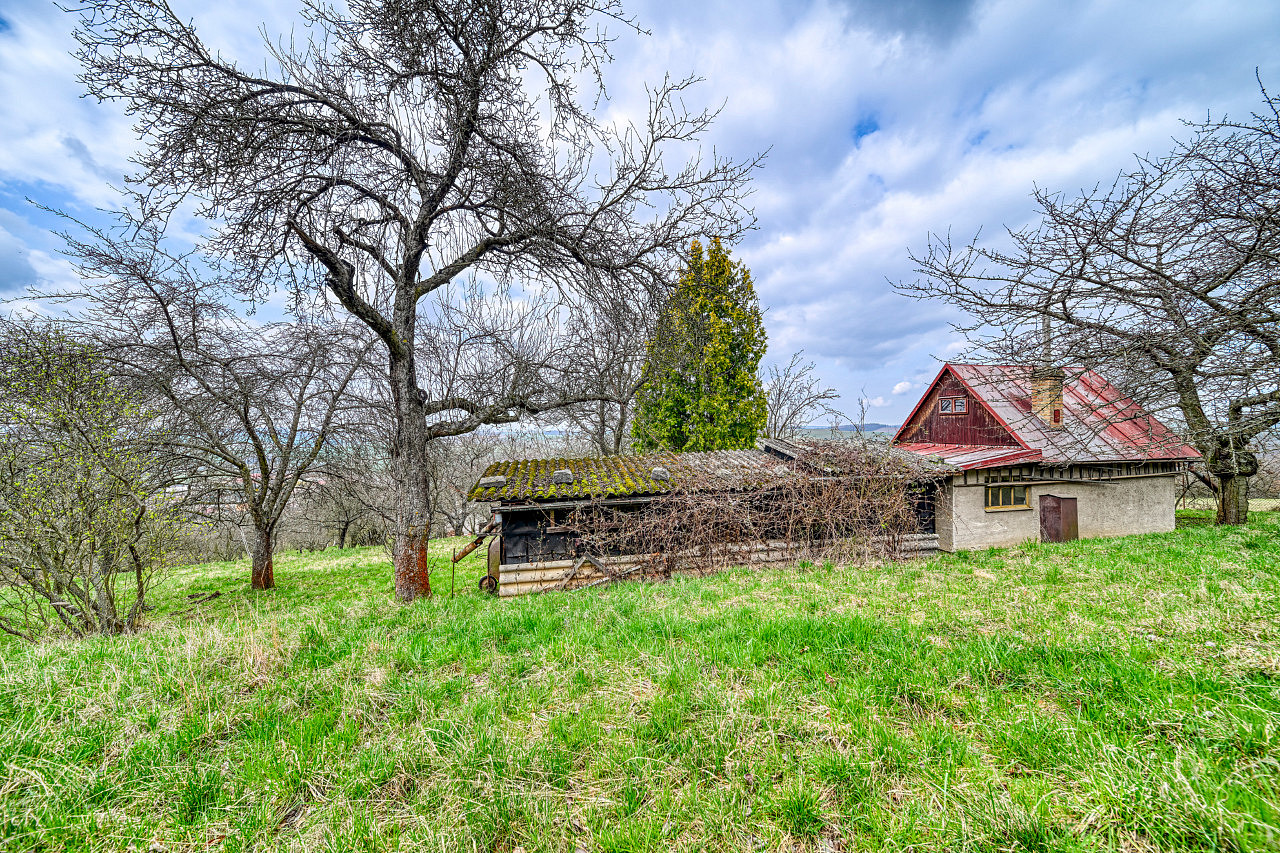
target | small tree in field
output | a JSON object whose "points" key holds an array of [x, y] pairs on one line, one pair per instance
{"points": [[84, 525], [701, 388], [249, 407]]}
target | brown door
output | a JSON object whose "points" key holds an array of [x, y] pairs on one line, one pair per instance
{"points": [[1058, 519]]}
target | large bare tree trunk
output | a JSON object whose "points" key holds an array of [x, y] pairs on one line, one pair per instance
{"points": [[263, 561], [1233, 499], [409, 551], [1232, 468]]}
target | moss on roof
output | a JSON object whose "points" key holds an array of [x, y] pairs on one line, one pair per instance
{"points": [[618, 476]]}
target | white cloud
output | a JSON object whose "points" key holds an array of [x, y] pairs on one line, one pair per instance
{"points": [[875, 402], [903, 387], [884, 125]]}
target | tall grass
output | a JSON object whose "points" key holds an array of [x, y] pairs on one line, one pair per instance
{"points": [[1103, 695]]}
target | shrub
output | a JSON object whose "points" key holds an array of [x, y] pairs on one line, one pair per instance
{"points": [[84, 523]]}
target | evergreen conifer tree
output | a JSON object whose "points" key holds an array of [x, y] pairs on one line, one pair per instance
{"points": [[701, 389]]}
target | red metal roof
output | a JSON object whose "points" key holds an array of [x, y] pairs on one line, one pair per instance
{"points": [[970, 456], [1100, 424]]}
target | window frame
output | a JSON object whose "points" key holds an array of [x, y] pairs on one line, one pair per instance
{"points": [[953, 401], [999, 489]]}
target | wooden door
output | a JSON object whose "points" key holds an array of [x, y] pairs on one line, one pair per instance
{"points": [[1059, 521]]}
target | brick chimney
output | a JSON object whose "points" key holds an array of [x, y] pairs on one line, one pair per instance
{"points": [[1046, 395]]}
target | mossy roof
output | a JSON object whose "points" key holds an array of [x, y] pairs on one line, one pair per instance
{"points": [[620, 476]]}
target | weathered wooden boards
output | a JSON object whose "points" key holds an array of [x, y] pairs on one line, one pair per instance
{"points": [[522, 578]]}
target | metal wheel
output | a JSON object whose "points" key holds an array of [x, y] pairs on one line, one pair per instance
{"points": [[489, 584]]}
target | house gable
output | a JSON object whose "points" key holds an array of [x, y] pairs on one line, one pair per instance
{"points": [[977, 425]]}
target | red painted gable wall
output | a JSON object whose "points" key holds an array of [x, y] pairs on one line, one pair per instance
{"points": [[976, 426]]}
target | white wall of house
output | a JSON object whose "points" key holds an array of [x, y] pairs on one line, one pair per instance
{"points": [[1117, 507]]}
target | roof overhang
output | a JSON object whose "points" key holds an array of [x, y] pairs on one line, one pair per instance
{"points": [[970, 456]]}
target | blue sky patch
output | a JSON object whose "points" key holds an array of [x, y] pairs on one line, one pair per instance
{"points": [[866, 126]]}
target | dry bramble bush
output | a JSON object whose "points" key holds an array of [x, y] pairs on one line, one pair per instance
{"points": [[849, 502]]}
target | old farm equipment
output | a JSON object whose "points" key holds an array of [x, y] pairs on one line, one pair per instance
{"points": [[489, 582]]}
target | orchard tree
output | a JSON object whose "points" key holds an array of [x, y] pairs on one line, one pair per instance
{"points": [[403, 145], [1168, 281], [702, 391], [249, 407], [608, 349]]}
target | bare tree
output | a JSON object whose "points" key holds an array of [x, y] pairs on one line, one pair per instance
{"points": [[406, 144], [249, 407], [351, 493], [457, 463], [1168, 281], [795, 397], [607, 352]]}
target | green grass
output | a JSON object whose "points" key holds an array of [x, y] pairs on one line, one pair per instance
{"points": [[1102, 695]]}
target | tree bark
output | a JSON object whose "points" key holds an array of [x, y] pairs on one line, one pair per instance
{"points": [[342, 534], [104, 605], [1233, 499], [1232, 468], [409, 551], [263, 561]]}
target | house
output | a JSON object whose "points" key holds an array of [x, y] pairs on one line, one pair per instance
{"points": [[1044, 453], [998, 455], [534, 547]]}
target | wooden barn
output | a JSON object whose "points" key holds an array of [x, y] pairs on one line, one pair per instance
{"points": [[532, 549], [1043, 453]]}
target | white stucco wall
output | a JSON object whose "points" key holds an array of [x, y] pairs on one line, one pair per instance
{"points": [[1114, 508]]}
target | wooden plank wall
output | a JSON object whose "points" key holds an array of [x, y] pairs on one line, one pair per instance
{"points": [[522, 578], [975, 426]]}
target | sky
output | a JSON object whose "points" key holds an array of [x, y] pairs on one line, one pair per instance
{"points": [[884, 122]]}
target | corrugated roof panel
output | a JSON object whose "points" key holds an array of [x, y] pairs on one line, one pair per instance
{"points": [[612, 476]]}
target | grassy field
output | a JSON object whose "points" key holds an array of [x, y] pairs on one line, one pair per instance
{"points": [[1102, 695]]}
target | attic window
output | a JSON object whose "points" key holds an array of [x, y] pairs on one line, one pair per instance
{"points": [[953, 405]]}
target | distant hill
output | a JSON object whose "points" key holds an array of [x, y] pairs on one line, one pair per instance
{"points": [[869, 426], [820, 432]]}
